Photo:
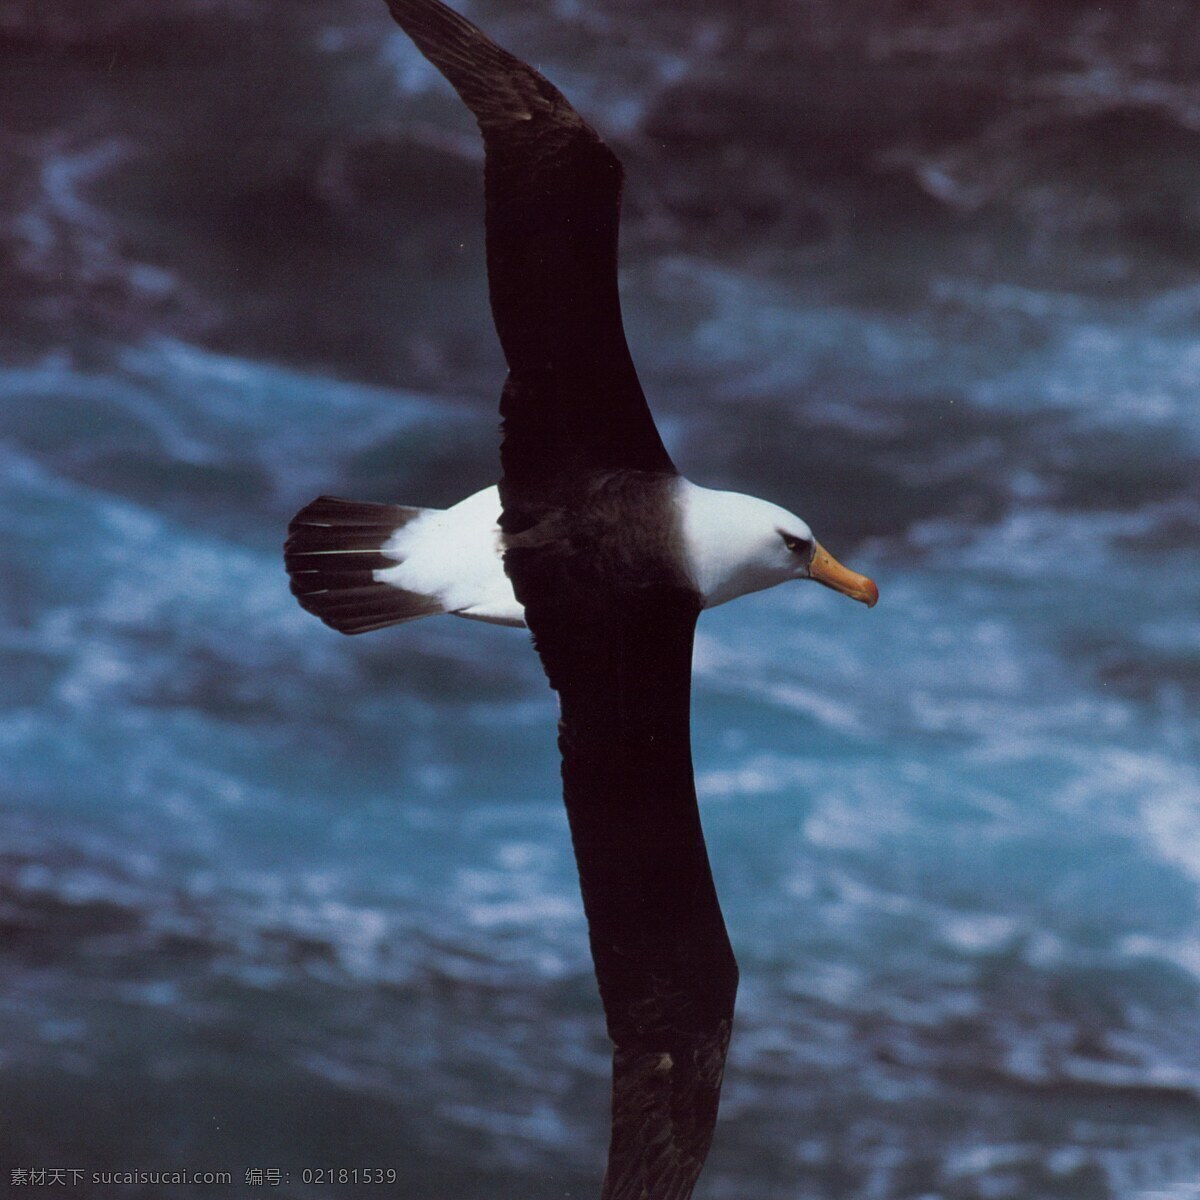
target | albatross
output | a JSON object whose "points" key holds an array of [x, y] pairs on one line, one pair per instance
{"points": [[596, 543]]}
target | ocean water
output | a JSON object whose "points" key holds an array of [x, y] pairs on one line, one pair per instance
{"points": [[274, 899]]}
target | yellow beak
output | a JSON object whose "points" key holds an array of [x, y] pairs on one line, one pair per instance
{"points": [[826, 569]]}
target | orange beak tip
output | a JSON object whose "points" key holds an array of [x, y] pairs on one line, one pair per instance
{"points": [[826, 569]]}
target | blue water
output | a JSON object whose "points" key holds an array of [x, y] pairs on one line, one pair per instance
{"points": [[276, 899]]}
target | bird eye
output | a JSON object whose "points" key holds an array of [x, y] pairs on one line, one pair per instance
{"points": [[796, 545]]}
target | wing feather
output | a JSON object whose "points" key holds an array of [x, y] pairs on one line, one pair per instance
{"points": [[584, 467], [667, 976], [553, 198]]}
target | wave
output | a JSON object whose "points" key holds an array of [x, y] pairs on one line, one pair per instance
{"points": [[921, 276]]}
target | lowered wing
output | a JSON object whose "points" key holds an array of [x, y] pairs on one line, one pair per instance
{"points": [[666, 972]]}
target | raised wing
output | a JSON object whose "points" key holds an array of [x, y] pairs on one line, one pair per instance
{"points": [[573, 402], [622, 666]]}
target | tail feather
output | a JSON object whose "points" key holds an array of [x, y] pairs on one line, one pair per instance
{"points": [[333, 550]]}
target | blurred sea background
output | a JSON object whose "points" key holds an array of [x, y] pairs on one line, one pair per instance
{"points": [[927, 273]]}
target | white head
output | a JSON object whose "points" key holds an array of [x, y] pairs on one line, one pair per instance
{"points": [[737, 544]]}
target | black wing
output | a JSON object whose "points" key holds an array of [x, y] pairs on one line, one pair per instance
{"points": [[666, 972], [573, 402], [620, 658]]}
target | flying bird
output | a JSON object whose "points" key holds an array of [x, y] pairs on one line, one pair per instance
{"points": [[596, 543]]}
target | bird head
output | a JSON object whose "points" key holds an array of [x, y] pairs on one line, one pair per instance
{"points": [[803, 557], [738, 544], [808, 559]]}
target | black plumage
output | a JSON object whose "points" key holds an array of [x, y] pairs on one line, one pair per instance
{"points": [[594, 556]]}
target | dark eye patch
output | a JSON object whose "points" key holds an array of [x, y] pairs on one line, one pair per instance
{"points": [[797, 545]]}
